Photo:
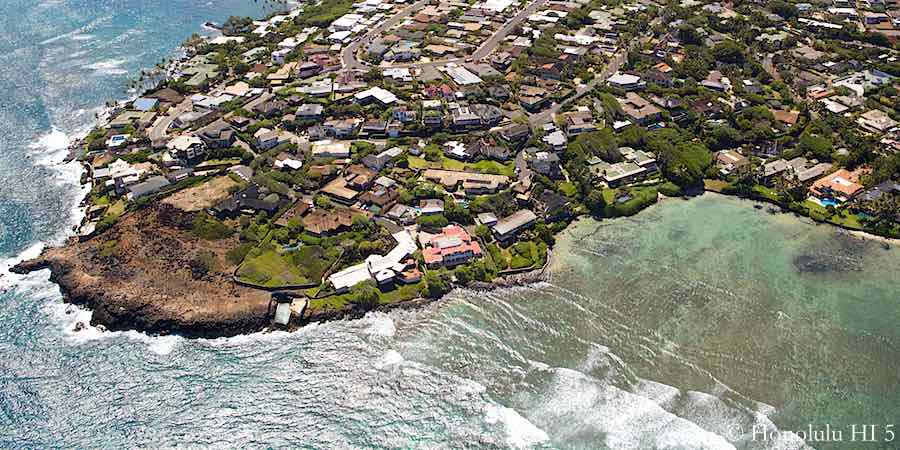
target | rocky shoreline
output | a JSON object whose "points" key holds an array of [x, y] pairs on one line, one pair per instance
{"points": [[142, 275]]}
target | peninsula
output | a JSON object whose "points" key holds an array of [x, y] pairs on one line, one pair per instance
{"points": [[344, 157]]}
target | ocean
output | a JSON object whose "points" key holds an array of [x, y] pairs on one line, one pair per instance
{"points": [[705, 323]]}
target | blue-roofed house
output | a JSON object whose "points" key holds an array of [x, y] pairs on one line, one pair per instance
{"points": [[145, 104]]}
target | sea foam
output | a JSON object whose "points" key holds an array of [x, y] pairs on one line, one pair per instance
{"points": [[520, 432]]}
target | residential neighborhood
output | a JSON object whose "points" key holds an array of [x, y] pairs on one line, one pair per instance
{"points": [[406, 148]]}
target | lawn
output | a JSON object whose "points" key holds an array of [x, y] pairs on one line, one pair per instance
{"points": [[519, 255], [117, 209], [765, 192], [483, 166], [820, 213], [569, 189], [402, 293], [269, 266], [714, 185], [641, 197]]}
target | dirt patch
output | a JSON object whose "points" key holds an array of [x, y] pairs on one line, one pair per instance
{"points": [[151, 273], [204, 196]]}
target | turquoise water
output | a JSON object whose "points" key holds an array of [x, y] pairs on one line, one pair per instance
{"points": [[683, 327]]}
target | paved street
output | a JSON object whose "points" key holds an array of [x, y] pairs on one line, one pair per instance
{"points": [[350, 60], [159, 129]]}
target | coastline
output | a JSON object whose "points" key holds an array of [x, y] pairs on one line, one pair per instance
{"points": [[118, 312], [129, 311]]}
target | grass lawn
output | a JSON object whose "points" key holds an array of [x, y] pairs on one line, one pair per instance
{"points": [[271, 267], [403, 292], [641, 197], [609, 195], [218, 162], [483, 166], [117, 209], [714, 185], [765, 192], [569, 189], [819, 212], [519, 255]]}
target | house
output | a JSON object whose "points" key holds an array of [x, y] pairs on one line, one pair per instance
{"points": [[556, 140], [510, 226], [516, 133], [191, 118], [805, 171], [472, 183], [578, 122], [729, 161], [383, 159], [487, 149], [384, 192], [308, 69], [135, 119], [463, 117], [167, 96], [637, 109], [487, 219], [149, 187], [309, 111], [341, 129], [788, 118], [187, 147], [554, 206], [322, 222], [271, 108], [546, 163], [252, 200], [373, 127], [431, 206], [404, 114], [286, 161], [626, 81], [266, 139], [716, 81], [339, 190], [218, 134], [451, 247], [619, 173], [402, 214], [383, 269], [243, 172], [533, 98], [331, 149], [840, 186], [381, 95], [876, 121]]}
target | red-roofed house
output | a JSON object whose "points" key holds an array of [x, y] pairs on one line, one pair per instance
{"points": [[841, 185], [451, 247]]}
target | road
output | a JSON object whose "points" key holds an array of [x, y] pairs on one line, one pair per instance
{"points": [[610, 68], [613, 66], [348, 54], [350, 61], [159, 130]]}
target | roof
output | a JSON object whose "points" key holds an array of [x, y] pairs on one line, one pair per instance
{"points": [[515, 222], [841, 182], [624, 79], [382, 95], [452, 240], [151, 186]]}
